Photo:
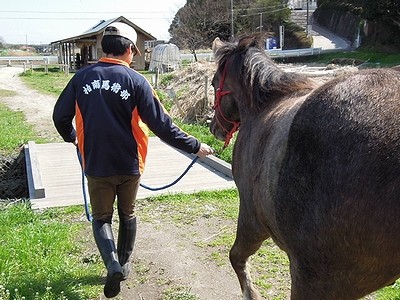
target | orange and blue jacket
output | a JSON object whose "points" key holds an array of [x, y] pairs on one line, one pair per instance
{"points": [[114, 106]]}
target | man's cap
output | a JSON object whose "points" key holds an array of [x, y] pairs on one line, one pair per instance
{"points": [[124, 30]]}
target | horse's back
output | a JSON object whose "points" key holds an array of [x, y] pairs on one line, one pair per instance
{"points": [[338, 198]]}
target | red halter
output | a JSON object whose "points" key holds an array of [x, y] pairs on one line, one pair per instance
{"points": [[217, 106]]}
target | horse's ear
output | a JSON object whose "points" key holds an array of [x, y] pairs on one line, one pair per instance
{"points": [[217, 43]]}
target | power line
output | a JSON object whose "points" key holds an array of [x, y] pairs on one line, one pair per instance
{"points": [[263, 12], [238, 8]]}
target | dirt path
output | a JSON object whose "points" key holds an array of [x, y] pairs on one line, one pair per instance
{"points": [[37, 107], [166, 256]]}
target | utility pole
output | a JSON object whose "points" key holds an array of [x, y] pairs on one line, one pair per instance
{"points": [[232, 33], [308, 17]]}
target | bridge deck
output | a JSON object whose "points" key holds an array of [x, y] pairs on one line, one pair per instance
{"points": [[55, 178]]}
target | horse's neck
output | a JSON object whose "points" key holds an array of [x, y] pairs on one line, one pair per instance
{"points": [[285, 110], [273, 111], [266, 132]]}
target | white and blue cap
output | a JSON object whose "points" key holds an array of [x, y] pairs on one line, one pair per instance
{"points": [[124, 30]]}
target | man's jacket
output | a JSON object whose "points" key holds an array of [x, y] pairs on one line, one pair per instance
{"points": [[113, 107]]}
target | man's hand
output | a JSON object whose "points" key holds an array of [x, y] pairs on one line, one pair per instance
{"points": [[204, 150]]}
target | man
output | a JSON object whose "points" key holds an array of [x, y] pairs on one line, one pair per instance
{"points": [[112, 104]]}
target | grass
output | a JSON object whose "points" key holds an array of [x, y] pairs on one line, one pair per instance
{"points": [[270, 265], [202, 132], [47, 258], [41, 257], [14, 131], [219, 205], [178, 293], [374, 59], [51, 83]]}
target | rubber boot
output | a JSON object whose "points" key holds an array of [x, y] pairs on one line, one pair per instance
{"points": [[126, 242], [104, 238]]}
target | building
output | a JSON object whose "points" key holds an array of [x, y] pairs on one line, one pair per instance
{"points": [[84, 49]]}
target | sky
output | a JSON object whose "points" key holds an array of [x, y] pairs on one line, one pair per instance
{"points": [[44, 21]]}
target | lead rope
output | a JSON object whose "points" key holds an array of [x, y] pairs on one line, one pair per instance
{"points": [[84, 192], [172, 183], [85, 200]]}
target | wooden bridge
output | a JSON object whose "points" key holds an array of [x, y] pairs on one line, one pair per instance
{"points": [[55, 177]]}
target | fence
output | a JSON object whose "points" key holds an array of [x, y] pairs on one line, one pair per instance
{"points": [[29, 62]]}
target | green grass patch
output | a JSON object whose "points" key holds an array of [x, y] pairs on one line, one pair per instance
{"points": [[188, 208], [49, 83], [166, 79], [374, 59], [42, 257], [202, 132], [178, 293], [7, 93], [389, 293], [14, 131]]}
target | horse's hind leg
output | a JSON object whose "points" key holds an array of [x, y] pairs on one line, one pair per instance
{"points": [[246, 244]]}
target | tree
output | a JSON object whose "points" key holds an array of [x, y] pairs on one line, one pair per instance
{"points": [[273, 13], [387, 11], [2, 44], [198, 23], [380, 19]]}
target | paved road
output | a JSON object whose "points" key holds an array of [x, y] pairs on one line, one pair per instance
{"points": [[327, 40]]}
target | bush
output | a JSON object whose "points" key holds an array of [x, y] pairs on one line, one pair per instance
{"points": [[296, 37]]}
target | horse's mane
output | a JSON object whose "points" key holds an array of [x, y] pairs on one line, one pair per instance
{"points": [[256, 70]]}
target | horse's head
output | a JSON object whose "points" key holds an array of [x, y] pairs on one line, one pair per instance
{"points": [[246, 82], [233, 83], [226, 120]]}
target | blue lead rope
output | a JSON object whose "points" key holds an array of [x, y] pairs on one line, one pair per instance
{"points": [[87, 210], [174, 182]]}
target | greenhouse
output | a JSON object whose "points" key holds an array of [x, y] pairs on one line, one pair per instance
{"points": [[165, 58]]}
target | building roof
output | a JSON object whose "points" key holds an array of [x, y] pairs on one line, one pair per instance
{"points": [[99, 28]]}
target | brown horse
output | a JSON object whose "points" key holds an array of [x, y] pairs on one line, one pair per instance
{"points": [[317, 169]]}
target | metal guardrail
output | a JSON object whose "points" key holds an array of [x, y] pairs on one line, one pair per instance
{"points": [[10, 60], [278, 53]]}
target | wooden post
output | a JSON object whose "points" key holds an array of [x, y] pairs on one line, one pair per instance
{"points": [[205, 93], [157, 75]]}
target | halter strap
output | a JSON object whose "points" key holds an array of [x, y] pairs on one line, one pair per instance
{"points": [[217, 106]]}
